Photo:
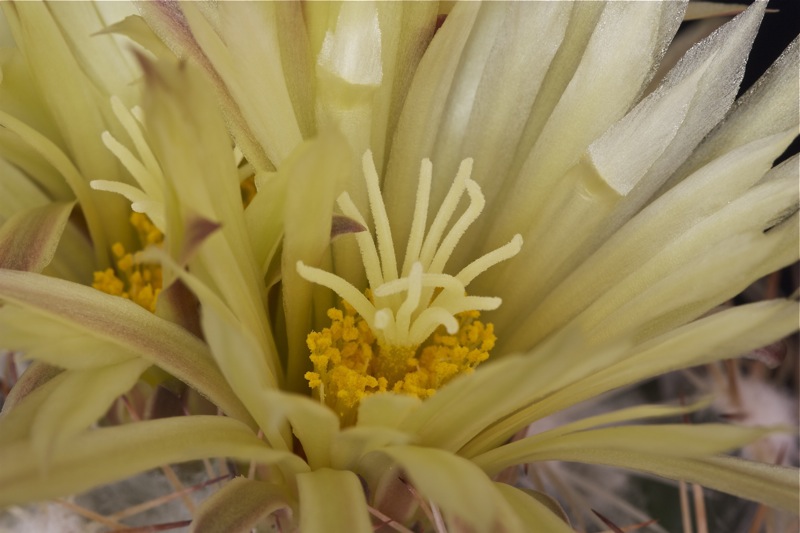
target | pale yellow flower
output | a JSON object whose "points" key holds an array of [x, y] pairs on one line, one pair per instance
{"points": [[600, 226]]}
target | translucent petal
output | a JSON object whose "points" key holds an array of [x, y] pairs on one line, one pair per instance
{"points": [[170, 24], [243, 364], [467, 94], [721, 57], [353, 443], [55, 157], [664, 221], [75, 103], [769, 107], [629, 37], [475, 403], [385, 410]]}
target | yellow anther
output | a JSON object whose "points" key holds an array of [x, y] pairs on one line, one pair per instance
{"points": [[351, 363], [118, 250], [415, 328], [138, 282]]}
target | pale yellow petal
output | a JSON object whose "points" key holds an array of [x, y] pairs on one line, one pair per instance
{"points": [[122, 323], [659, 440], [17, 418], [68, 410], [314, 425], [532, 511], [332, 500], [316, 174], [456, 486], [93, 457], [719, 336], [239, 506], [664, 221], [353, 443], [251, 69], [36, 375], [29, 239], [770, 106], [188, 137], [56, 343]]}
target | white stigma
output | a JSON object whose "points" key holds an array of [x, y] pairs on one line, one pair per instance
{"points": [[148, 198], [432, 298]]}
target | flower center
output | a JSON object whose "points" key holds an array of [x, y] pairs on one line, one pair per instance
{"points": [[415, 328], [135, 281]]}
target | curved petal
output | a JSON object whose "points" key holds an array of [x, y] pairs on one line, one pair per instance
{"points": [[532, 511], [68, 410], [332, 500], [665, 440], [112, 319], [93, 458], [239, 506], [775, 486], [459, 488], [29, 239], [715, 337]]}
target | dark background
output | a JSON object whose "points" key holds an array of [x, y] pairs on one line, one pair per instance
{"points": [[777, 31]]}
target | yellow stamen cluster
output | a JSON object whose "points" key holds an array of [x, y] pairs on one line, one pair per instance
{"points": [[416, 328], [350, 362], [135, 281]]}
